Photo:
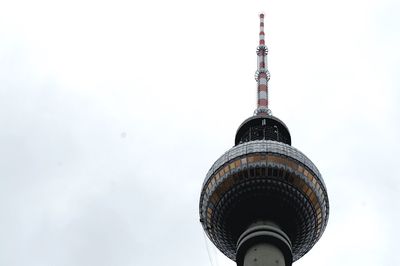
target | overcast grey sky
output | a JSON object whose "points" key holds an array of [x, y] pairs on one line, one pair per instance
{"points": [[112, 112]]}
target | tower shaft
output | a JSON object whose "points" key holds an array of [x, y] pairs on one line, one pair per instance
{"points": [[264, 244], [264, 254]]}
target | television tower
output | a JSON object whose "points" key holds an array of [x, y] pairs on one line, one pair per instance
{"points": [[263, 202]]}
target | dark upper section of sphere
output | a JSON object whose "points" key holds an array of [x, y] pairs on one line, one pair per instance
{"points": [[262, 127]]}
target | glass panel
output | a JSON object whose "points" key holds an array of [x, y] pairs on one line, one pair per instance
{"points": [[300, 169], [237, 163], [221, 172], [314, 181], [226, 169], [250, 159]]}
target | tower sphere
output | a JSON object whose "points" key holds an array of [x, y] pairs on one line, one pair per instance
{"points": [[263, 182]]}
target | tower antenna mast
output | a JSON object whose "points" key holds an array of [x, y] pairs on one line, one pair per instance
{"points": [[262, 75]]}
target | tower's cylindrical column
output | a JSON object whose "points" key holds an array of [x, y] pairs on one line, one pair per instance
{"points": [[264, 244], [263, 254]]}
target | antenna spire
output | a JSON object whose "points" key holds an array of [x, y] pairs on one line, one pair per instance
{"points": [[262, 74]]}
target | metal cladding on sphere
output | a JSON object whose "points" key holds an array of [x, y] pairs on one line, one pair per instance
{"points": [[263, 179]]}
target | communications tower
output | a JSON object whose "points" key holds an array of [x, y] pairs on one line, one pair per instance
{"points": [[263, 202]]}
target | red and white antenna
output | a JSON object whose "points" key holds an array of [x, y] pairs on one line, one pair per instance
{"points": [[262, 74]]}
